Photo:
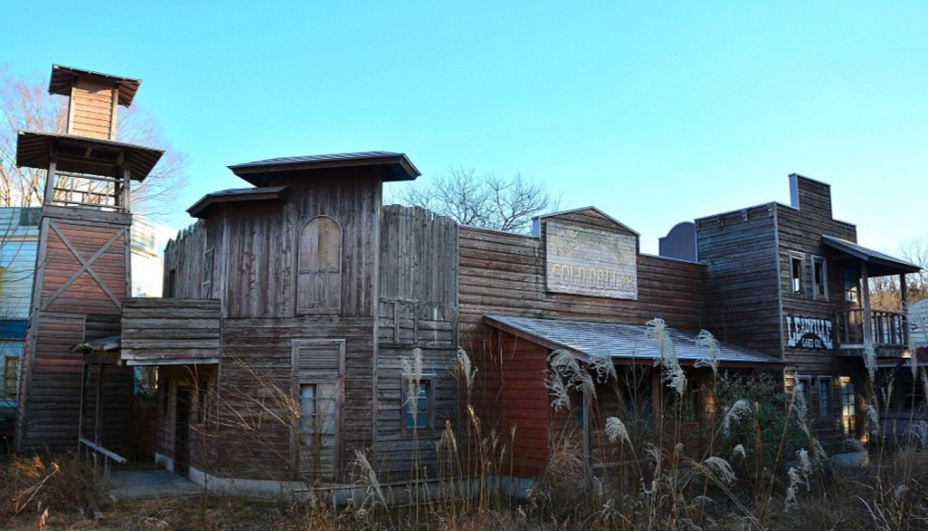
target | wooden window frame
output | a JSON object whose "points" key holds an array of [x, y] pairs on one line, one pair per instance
{"points": [[816, 285], [848, 420], [850, 281], [430, 381], [797, 283], [825, 397]]}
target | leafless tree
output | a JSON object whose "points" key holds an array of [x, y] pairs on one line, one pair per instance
{"points": [[484, 200], [885, 292], [26, 104]]}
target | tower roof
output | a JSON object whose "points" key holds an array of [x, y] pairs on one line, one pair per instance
{"points": [[392, 166], [63, 78], [81, 154]]}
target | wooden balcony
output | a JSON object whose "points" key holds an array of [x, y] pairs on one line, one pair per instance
{"points": [[888, 330], [170, 331]]}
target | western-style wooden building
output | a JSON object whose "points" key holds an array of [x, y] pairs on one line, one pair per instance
{"points": [[304, 323]]}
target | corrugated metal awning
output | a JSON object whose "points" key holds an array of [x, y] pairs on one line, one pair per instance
{"points": [[879, 264], [624, 343]]}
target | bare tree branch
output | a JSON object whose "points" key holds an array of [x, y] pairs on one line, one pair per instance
{"points": [[485, 200]]}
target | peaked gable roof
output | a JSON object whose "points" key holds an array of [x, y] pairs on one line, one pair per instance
{"points": [[592, 209]]}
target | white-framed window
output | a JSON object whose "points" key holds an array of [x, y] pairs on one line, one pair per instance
{"points": [[824, 397], [796, 273], [819, 278]]}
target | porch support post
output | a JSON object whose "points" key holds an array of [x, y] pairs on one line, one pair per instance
{"points": [[904, 305], [865, 279]]}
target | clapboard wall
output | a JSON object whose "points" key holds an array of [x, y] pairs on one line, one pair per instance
{"points": [[504, 273], [739, 251]]}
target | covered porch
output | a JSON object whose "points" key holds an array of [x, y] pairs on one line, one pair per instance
{"points": [[859, 325]]}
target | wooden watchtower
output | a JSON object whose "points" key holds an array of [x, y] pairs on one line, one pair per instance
{"points": [[82, 270]]}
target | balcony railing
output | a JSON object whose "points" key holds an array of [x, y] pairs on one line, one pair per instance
{"points": [[887, 329]]}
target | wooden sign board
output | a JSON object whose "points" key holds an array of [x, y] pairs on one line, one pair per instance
{"points": [[810, 333], [587, 261]]}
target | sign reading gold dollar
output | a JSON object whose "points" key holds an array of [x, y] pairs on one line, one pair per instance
{"points": [[588, 261]]}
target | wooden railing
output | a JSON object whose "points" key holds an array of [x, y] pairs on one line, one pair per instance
{"points": [[97, 454], [887, 329]]}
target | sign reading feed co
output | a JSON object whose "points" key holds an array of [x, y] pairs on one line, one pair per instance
{"points": [[588, 261]]}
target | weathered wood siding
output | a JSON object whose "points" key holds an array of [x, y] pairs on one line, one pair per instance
{"points": [[505, 273], [82, 276], [418, 309], [739, 251], [170, 331], [92, 109], [511, 397]]}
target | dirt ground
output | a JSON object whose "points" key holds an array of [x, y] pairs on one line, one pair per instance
{"points": [[179, 514]]}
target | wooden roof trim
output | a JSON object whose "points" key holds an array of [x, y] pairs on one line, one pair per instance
{"points": [[870, 256], [201, 208], [63, 78], [34, 148], [587, 208], [257, 173]]}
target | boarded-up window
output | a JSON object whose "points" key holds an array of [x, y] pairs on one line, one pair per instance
{"points": [[320, 267]]}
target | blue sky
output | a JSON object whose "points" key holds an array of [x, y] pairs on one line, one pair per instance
{"points": [[655, 112]]}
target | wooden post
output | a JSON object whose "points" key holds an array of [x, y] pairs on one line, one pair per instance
{"points": [[587, 445], [52, 175], [85, 382], [865, 280], [904, 304], [98, 421]]}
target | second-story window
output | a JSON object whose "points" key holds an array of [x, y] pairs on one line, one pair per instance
{"points": [[819, 278], [851, 284], [796, 270], [320, 269]]}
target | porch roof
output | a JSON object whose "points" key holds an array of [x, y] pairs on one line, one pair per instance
{"points": [[879, 264], [625, 343]]}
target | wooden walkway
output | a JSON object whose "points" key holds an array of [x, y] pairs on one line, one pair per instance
{"points": [[149, 484]]}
